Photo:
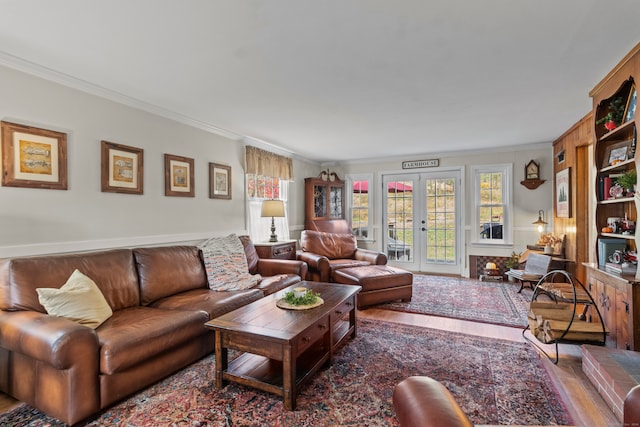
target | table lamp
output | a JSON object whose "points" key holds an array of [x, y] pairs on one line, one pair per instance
{"points": [[272, 208]]}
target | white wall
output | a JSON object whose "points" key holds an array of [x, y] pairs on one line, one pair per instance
{"points": [[36, 221], [526, 202]]}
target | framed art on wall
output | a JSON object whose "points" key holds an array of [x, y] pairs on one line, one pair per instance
{"points": [[178, 176], [33, 157], [219, 181], [563, 193], [121, 168]]}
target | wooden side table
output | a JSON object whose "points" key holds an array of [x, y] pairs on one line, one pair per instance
{"points": [[284, 249]]}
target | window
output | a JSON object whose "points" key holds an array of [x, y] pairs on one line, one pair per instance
{"points": [[359, 204], [260, 188], [267, 177], [493, 208]]}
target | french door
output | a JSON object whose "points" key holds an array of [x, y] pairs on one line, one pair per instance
{"points": [[423, 222]]}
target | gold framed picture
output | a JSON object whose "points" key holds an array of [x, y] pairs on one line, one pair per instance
{"points": [[178, 176], [33, 157], [219, 181], [121, 168]]}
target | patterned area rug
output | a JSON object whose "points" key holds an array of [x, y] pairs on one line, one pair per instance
{"points": [[494, 381], [467, 299]]}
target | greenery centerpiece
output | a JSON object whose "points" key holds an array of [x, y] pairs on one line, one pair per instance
{"points": [[307, 298]]}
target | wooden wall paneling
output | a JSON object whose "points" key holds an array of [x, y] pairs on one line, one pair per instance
{"points": [[574, 145]]}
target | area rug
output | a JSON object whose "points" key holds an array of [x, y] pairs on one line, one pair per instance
{"points": [[498, 303], [494, 381]]}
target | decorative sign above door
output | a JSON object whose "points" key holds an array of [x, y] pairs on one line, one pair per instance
{"points": [[415, 164]]}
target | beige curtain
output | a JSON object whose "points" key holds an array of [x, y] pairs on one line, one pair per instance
{"points": [[265, 163]]}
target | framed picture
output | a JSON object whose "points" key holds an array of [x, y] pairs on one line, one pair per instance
{"points": [[121, 168], [33, 157], [563, 193], [178, 176], [630, 109], [616, 153], [219, 181]]}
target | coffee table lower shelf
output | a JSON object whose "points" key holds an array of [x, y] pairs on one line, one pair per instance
{"points": [[267, 374]]}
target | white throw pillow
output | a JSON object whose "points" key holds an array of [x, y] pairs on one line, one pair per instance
{"points": [[226, 264], [79, 300]]}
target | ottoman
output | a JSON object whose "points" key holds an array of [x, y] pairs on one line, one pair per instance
{"points": [[380, 283]]}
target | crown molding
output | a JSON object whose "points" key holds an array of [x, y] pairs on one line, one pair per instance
{"points": [[28, 67]]}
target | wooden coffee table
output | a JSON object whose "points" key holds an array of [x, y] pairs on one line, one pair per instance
{"points": [[283, 348]]}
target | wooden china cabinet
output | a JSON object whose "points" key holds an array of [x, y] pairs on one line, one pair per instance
{"points": [[323, 198], [616, 209]]}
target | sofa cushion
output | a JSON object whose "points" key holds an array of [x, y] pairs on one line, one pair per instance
{"points": [[79, 300], [213, 302], [330, 245], [134, 335], [226, 264], [168, 270], [113, 271], [336, 264]]}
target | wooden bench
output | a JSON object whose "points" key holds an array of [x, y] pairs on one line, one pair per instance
{"points": [[536, 266]]}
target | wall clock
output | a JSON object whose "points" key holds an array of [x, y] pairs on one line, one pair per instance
{"points": [[532, 170]]}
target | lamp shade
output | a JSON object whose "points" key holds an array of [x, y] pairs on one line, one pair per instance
{"points": [[272, 208], [540, 221]]}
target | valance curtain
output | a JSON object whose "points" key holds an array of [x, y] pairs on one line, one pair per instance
{"points": [[265, 163]]}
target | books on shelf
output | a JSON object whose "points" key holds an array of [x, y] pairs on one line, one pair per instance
{"points": [[604, 186]]}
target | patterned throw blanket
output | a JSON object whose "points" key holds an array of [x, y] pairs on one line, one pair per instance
{"points": [[226, 264]]}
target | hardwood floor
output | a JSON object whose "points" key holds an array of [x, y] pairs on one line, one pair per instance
{"points": [[583, 402]]}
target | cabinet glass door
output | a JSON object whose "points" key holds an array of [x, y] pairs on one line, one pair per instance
{"points": [[319, 201], [336, 201]]}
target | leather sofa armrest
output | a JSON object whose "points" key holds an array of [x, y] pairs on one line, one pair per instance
{"points": [[421, 401], [319, 263], [271, 267], [54, 340], [373, 257], [631, 408]]}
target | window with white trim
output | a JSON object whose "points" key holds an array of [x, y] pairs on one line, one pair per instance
{"points": [[493, 212], [359, 197], [261, 188]]}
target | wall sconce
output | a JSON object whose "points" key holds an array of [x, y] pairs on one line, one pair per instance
{"points": [[272, 208], [540, 222]]}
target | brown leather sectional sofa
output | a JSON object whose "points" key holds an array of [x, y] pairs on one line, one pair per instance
{"points": [[160, 302]]}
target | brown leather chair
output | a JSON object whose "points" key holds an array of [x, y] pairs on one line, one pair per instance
{"points": [[327, 252], [631, 408], [424, 402]]}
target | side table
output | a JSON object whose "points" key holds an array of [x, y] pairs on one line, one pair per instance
{"points": [[284, 249]]}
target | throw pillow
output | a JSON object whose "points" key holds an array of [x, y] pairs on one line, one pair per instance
{"points": [[226, 264], [79, 300]]}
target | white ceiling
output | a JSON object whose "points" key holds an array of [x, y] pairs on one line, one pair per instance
{"points": [[335, 80]]}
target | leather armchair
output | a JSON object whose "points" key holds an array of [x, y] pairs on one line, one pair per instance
{"points": [[631, 408], [327, 252], [424, 402], [276, 274]]}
